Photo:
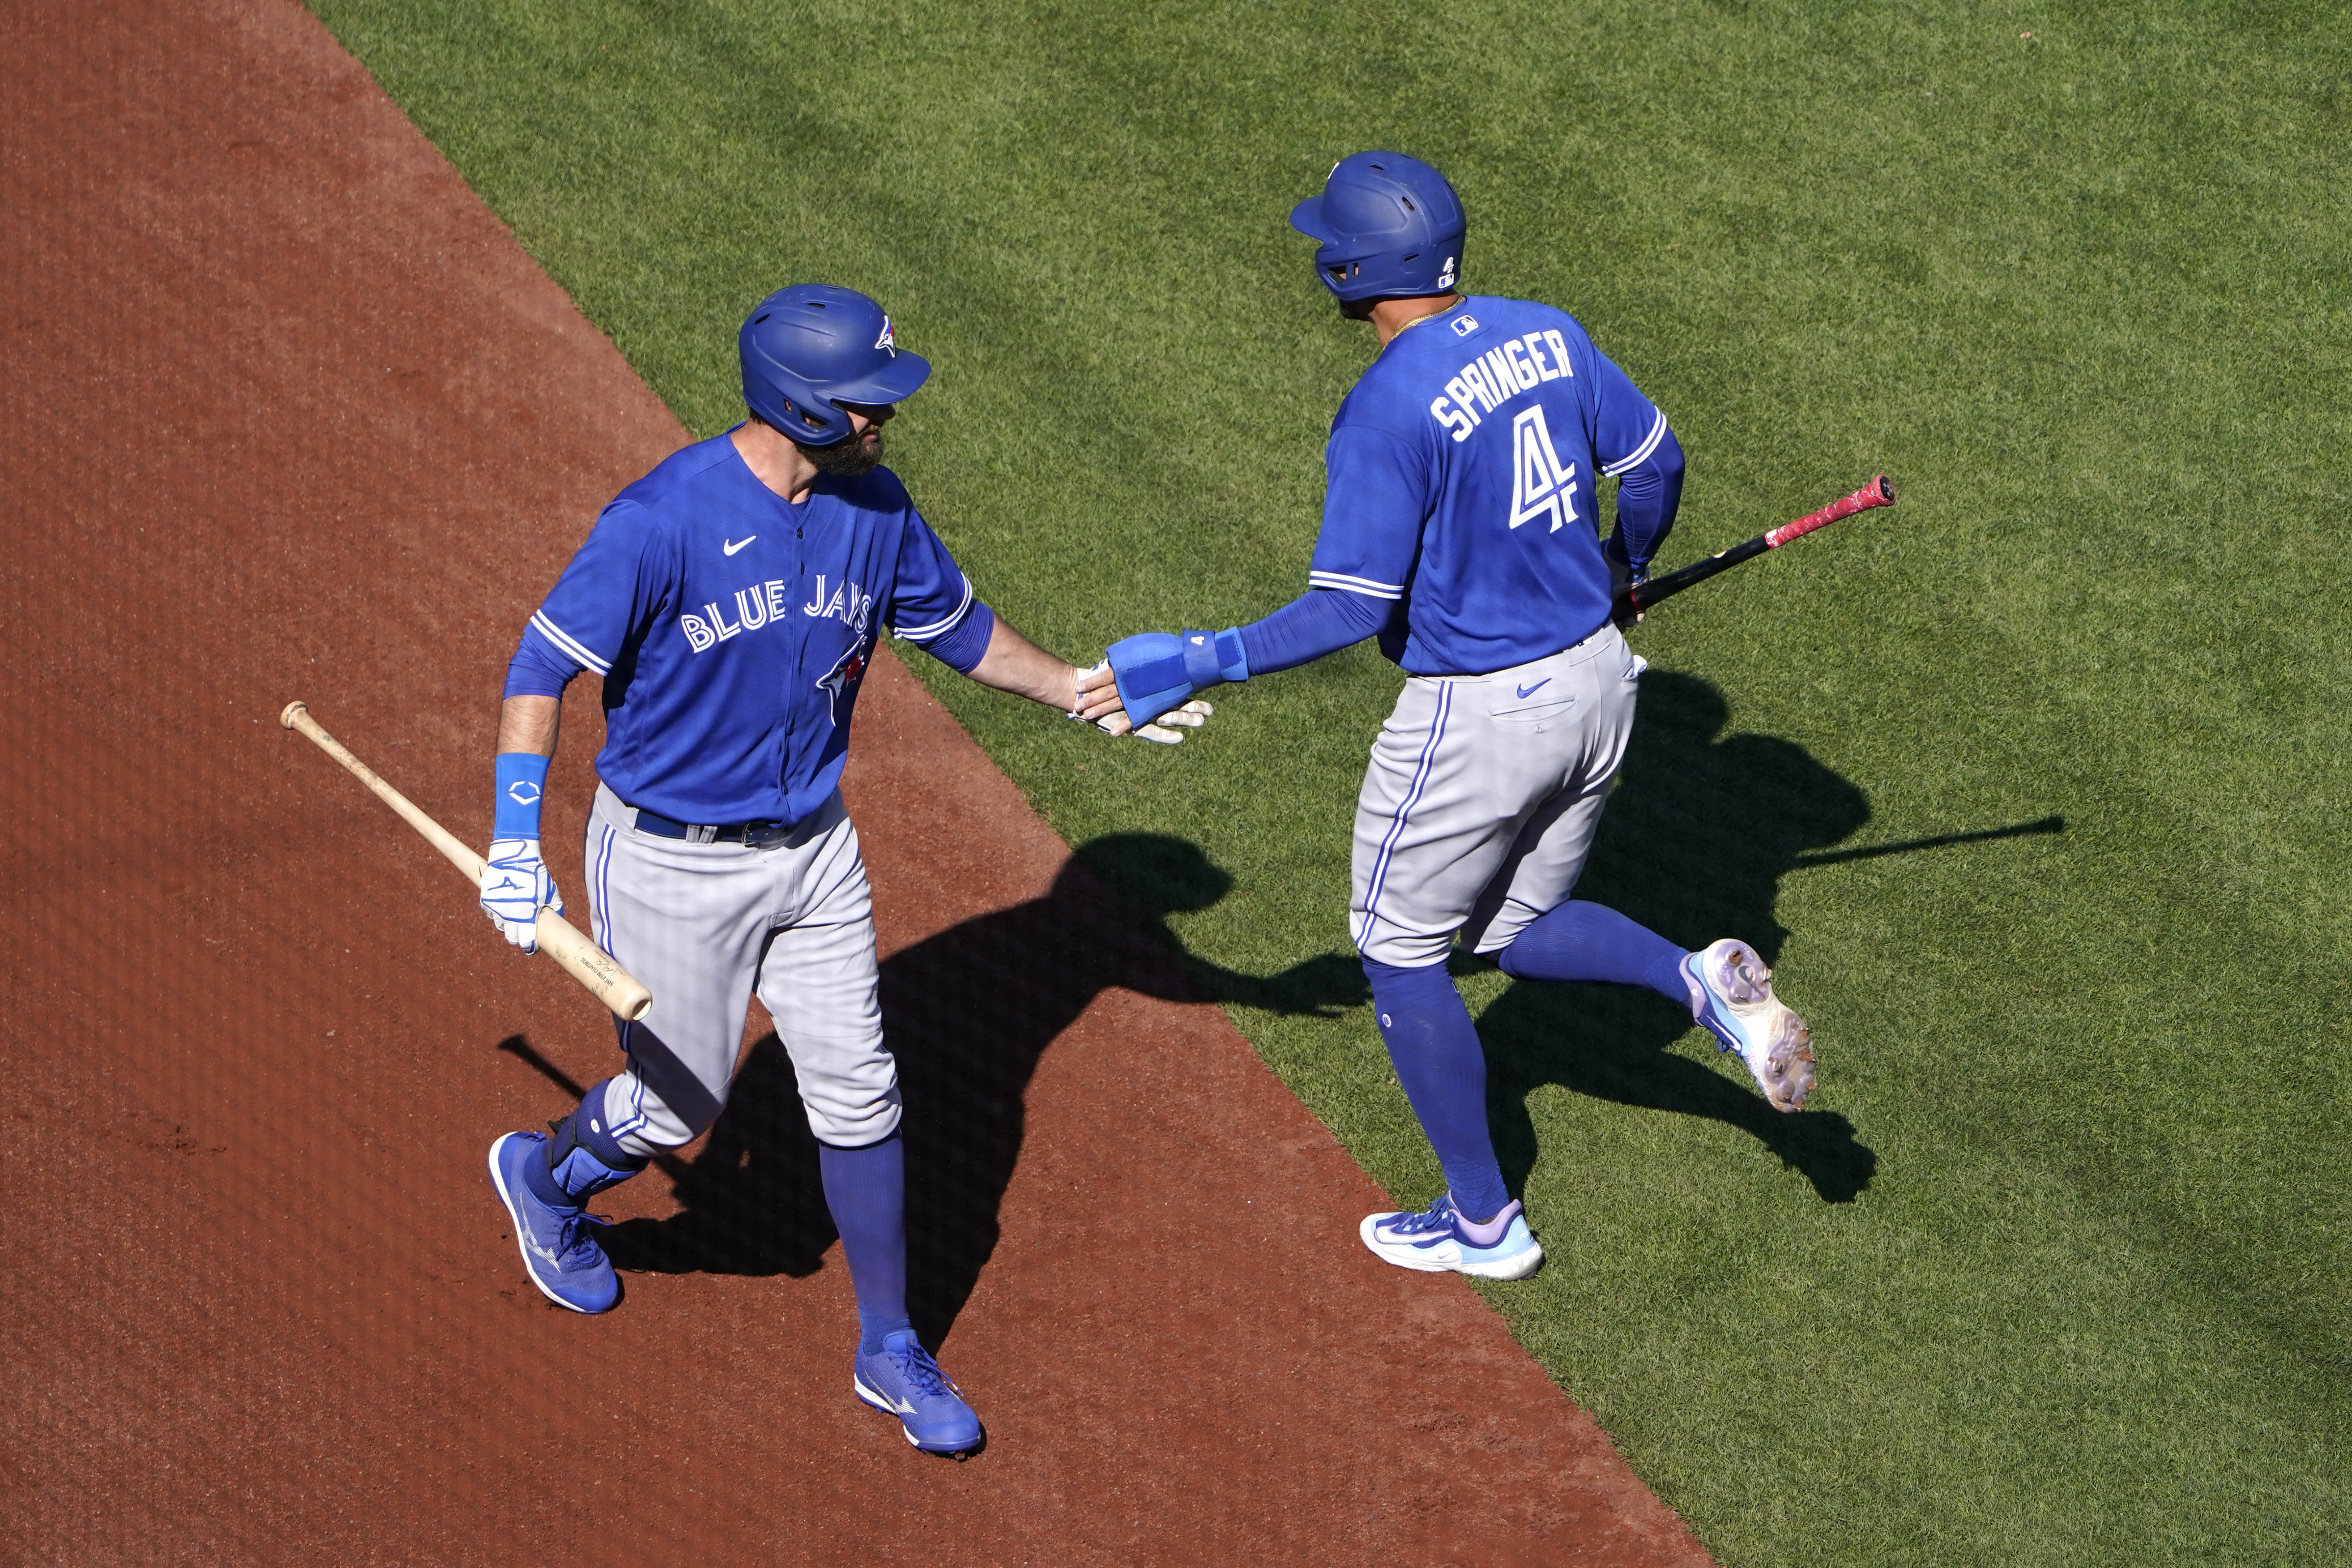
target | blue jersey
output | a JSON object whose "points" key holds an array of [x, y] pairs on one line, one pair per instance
{"points": [[732, 628], [1462, 469]]}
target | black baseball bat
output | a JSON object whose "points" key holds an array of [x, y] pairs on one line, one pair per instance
{"points": [[1632, 601]]}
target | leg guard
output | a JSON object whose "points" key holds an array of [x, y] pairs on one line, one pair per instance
{"points": [[580, 1159]]}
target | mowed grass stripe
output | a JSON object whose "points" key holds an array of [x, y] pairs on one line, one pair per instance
{"points": [[2055, 1272]]}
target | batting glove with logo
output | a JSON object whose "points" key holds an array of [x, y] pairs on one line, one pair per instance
{"points": [[514, 885]]}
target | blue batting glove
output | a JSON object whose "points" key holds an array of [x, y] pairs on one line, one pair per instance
{"points": [[1158, 671]]}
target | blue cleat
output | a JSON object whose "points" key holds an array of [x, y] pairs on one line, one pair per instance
{"points": [[559, 1244], [902, 1380], [1438, 1239], [1731, 994]]}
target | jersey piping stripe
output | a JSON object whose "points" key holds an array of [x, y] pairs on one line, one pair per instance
{"points": [[1363, 585], [1640, 453], [569, 646], [1412, 798], [937, 629]]}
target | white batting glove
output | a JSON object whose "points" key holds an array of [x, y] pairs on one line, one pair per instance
{"points": [[1167, 730], [1169, 727], [514, 886]]}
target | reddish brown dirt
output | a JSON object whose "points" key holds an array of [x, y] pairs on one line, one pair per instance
{"points": [[289, 413]]}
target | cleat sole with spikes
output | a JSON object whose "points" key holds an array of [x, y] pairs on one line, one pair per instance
{"points": [[1731, 994]]}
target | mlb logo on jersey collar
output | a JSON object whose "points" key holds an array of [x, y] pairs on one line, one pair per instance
{"points": [[1465, 325]]}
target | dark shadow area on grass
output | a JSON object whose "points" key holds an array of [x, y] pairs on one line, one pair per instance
{"points": [[969, 1013], [1699, 832]]}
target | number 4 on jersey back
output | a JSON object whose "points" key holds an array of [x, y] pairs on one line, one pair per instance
{"points": [[1541, 485]]}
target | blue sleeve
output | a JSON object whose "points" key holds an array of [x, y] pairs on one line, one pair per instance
{"points": [[617, 581], [1319, 621], [1646, 502], [535, 672], [1631, 444], [930, 597], [962, 649], [1376, 499]]}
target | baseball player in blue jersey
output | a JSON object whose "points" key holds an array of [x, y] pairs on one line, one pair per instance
{"points": [[1459, 528], [730, 600]]}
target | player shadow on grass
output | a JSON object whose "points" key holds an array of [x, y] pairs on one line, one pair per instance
{"points": [[1696, 837], [969, 1013]]}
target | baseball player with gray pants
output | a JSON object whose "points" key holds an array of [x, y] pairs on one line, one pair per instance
{"points": [[732, 600], [704, 926], [1459, 529]]}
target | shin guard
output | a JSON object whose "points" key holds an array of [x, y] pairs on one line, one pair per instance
{"points": [[581, 1159]]}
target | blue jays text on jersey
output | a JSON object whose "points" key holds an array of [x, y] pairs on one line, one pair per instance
{"points": [[769, 600], [733, 627], [1457, 466]]}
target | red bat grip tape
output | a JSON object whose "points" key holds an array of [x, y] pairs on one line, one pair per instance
{"points": [[1880, 491]]}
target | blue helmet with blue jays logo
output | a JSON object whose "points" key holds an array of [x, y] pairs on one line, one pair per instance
{"points": [[810, 348], [1389, 224]]}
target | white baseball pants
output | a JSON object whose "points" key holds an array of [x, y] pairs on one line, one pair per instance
{"points": [[1482, 799], [704, 925]]}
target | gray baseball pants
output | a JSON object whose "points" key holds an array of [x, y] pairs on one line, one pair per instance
{"points": [[704, 925], [1482, 799]]}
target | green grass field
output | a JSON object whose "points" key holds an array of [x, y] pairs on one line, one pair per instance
{"points": [[2054, 1271]]}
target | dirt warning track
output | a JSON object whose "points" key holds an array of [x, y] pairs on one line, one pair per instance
{"points": [[287, 414]]}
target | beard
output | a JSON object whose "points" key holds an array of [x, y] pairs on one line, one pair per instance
{"points": [[846, 460]]}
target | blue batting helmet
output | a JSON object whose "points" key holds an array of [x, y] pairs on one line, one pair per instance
{"points": [[811, 347], [1389, 224]]}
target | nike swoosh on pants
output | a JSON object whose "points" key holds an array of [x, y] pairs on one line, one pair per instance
{"points": [[1538, 686]]}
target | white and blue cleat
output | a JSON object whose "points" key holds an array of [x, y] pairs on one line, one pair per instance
{"points": [[902, 1380], [1438, 1239], [559, 1244], [1731, 995]]}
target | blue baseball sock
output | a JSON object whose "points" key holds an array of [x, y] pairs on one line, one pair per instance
{"points": [[1443, 1068], [1591, 941], [867, 1191]]}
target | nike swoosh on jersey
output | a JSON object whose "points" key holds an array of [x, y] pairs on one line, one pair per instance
{"points": [[737, 544], [1531, 690]]}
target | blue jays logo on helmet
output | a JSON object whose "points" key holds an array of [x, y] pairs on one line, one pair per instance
{"points": [[1388, 224], [810, 348]]}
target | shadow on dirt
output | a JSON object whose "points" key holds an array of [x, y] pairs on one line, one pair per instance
{"points": [[969, 1013]]}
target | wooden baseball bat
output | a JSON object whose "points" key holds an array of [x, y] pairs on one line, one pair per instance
{"points": [[558, 938], [1641, 596]]}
